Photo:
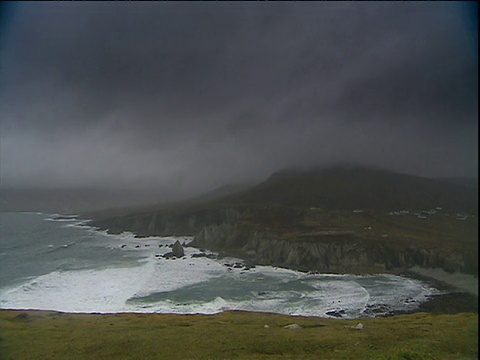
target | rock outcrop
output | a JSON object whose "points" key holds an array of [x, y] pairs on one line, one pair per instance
{"points": [[167, 223], [177, 250], [334, 254], [230, 231]]}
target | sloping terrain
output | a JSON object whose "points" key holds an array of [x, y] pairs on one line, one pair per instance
{"points": [[350, 187], [341, 219], [239, 335]]}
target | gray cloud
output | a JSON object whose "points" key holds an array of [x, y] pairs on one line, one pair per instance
{"points": [[190, 96]]}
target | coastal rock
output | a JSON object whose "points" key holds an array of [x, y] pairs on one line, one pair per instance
{"points": [[336, 313], [223, 230], [292, 327], [359, 326], [166, 223], [346, 254], [203, 255], [177, 250]]}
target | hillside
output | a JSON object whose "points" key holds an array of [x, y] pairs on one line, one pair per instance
{"points": [[341, 219], [349, 188]]}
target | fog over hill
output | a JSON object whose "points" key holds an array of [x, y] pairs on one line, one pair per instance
{"points": [[338, 187]]}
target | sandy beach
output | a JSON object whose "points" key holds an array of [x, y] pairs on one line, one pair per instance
{"points": [[459, 281]]}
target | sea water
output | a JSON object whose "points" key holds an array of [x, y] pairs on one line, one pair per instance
{"points": [[57, 263]]}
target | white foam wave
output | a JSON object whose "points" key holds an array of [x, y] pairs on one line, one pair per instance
{"points": [[112, 289], [62, 218], [75, 291], [115, 289], [107, 290], [169, 275], [83, 224], [53, 249]]}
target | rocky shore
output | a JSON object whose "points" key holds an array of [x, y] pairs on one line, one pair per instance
{"points": [[455, 300], [223, 230], [333, 253], [272, 236]]}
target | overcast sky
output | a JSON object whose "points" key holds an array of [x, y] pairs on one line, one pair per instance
{"points": [[190, 96]]}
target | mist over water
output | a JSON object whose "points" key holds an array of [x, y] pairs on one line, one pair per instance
{"points": [[63, 265]]}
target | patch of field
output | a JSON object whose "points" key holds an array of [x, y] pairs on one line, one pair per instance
{"points": [[50, 335]]}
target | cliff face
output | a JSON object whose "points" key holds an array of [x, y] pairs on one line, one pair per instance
{"points": [[333, 255], [339, 219], [223, 230], [167, 223]]}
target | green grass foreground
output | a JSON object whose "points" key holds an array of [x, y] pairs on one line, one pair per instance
{"points": [[228, 335]]}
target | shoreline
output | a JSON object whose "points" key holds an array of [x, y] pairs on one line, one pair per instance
{"points": [[442, 304], [455, 300], [451, 302], [443, 280]]}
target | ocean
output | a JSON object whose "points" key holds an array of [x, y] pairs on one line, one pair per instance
{"points": [[51, 262]]}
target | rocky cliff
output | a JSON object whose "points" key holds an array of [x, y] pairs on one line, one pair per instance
{"points": [[335, 254], [339, 219], [167, 223], [280, 243]]}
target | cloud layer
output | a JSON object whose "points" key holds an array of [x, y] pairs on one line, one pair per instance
{"points": [[189, 96]]}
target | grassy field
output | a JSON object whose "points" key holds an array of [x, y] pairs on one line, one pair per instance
{"points": [[50, 335], [442, 230]]}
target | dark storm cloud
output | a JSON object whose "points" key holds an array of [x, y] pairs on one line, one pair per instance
{"points": [[192, 95]]}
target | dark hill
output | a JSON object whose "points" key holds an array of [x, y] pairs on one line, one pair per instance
{"points": [[347, 188], [303, 219]]}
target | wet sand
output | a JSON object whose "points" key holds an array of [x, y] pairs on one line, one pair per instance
{"points": [[461, 296], [458, 281]]}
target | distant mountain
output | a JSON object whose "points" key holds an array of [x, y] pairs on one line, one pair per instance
{"points": [[336, 188], [354, 187]]}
